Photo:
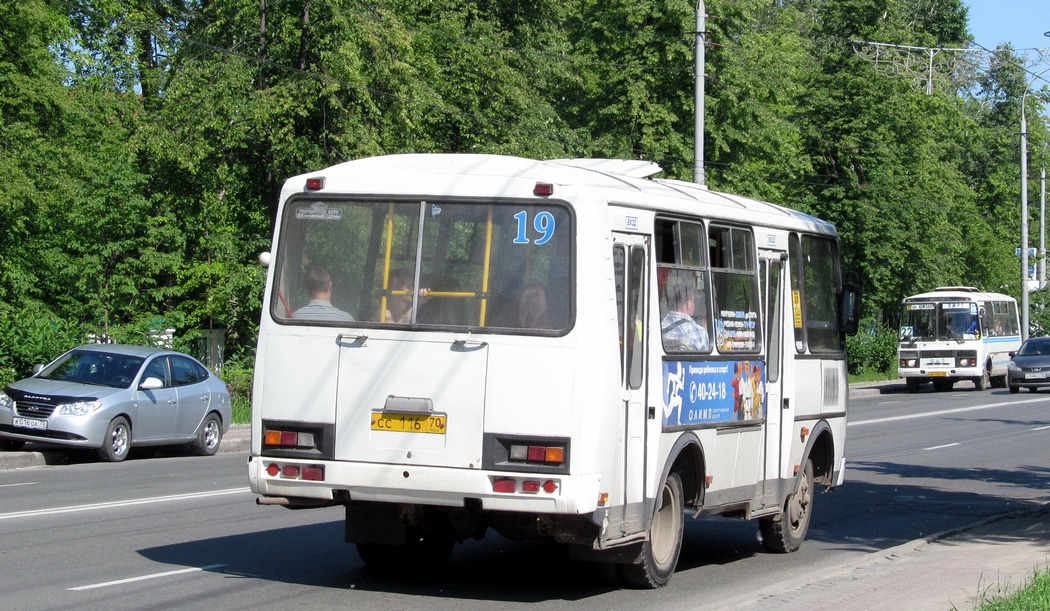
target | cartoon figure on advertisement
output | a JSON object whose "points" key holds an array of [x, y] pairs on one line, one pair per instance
{"points": [[759, 391], [738, 396], [673, 391], [747, 392]]}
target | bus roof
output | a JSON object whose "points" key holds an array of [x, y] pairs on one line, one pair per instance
{"points": [[617, 181], [960, 293]]}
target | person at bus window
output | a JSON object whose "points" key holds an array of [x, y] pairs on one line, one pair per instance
{"points": [[532, 308], [997, 329], [399, 306], [973, 330], [318, 285], [681, 332]]}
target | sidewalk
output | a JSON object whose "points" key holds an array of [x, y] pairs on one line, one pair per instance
{"points": [[952, 570]]}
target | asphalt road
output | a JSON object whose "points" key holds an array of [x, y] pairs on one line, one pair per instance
{"points": [[164, 530]]}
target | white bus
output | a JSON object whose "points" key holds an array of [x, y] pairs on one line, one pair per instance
{"points": [[491, 357], [955, 333]]}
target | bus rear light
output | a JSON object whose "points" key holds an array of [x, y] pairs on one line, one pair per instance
{"points": [[315, 184], [543, 189], [550, 486], [530, 486], [538, 454], [504, 485], [288, 439], [314, 473], [603, 498]]}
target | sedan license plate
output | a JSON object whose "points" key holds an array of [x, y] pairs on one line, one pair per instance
{"points": [[409, 423], [29, 423], [1034, 376]]}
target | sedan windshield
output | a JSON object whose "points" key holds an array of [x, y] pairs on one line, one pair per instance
{"points": [[90, 367], [1035, 347]]}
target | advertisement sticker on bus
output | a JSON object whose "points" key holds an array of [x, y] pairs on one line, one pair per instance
{"points": [[709, 392]]}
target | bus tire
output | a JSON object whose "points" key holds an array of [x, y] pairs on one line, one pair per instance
{"points": [[659, 553], [913, 384], [983, 382], [785, 531]]}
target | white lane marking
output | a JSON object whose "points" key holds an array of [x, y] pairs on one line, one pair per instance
{"points": [[19, 484], [1041, 428], [947, 445], [887, 402], [145, 577], [940, 412], [129, 503]]}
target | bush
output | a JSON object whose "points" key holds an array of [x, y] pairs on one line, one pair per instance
{"points": [[873, 348], [28, 338], [238, 372]]}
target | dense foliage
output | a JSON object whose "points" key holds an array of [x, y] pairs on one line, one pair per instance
{"points": [[144, 142]]}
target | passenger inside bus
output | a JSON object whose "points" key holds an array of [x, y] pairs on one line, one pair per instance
{"points": [[681, 332], [318, 285], [399, 304]]}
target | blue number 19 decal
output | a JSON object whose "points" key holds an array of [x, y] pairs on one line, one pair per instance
{"points": [[543, 223]]}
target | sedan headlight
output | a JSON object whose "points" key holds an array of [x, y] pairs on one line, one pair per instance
{"points": [[5, 401], [1012, 366], [80, 408]]}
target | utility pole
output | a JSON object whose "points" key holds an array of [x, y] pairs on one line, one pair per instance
{"points": [[698, 128]]}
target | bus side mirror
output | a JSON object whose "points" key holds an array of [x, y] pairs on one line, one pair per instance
{"points": [[849, 308]]}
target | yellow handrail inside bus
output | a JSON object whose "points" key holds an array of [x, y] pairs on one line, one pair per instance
{"points": [[386, 261], [485, 270]]}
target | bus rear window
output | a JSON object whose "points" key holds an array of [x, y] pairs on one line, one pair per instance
{"points": [[465, 264]]}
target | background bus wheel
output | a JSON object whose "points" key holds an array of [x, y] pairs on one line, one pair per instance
{"points": [[659, 554], [786, 531], [913, 384], [983, 382]]}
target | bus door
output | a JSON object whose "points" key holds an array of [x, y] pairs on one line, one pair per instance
{"points": [[771, 277], [630, 259]]}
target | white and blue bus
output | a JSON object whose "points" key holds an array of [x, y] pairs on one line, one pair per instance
{"points": [[955, 333], [456, 343]]}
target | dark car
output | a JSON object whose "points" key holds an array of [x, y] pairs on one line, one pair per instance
{"points": [[113, 397], [1029, 367]]}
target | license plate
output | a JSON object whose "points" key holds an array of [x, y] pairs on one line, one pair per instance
{"points": [[1034, 376], [409, 423], [938, 374], [29, 423]]}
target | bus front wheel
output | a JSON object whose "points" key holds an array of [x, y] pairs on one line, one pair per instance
{"points": [[659, 553]]}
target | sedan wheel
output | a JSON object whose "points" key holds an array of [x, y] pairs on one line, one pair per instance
{"points": [[1014, 389], [117, 442], [208, 437]]}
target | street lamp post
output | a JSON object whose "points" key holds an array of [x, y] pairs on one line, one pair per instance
{"points": [[1024, 207], [698, 127]]}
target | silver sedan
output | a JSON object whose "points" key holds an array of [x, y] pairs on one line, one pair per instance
{"points": [[112, 397]]}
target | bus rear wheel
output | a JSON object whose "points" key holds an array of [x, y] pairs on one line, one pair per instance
{"points": [[659, 553], [785, 531]]}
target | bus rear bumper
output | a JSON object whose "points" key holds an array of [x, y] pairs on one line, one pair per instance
{"points": [[422, 485]]}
